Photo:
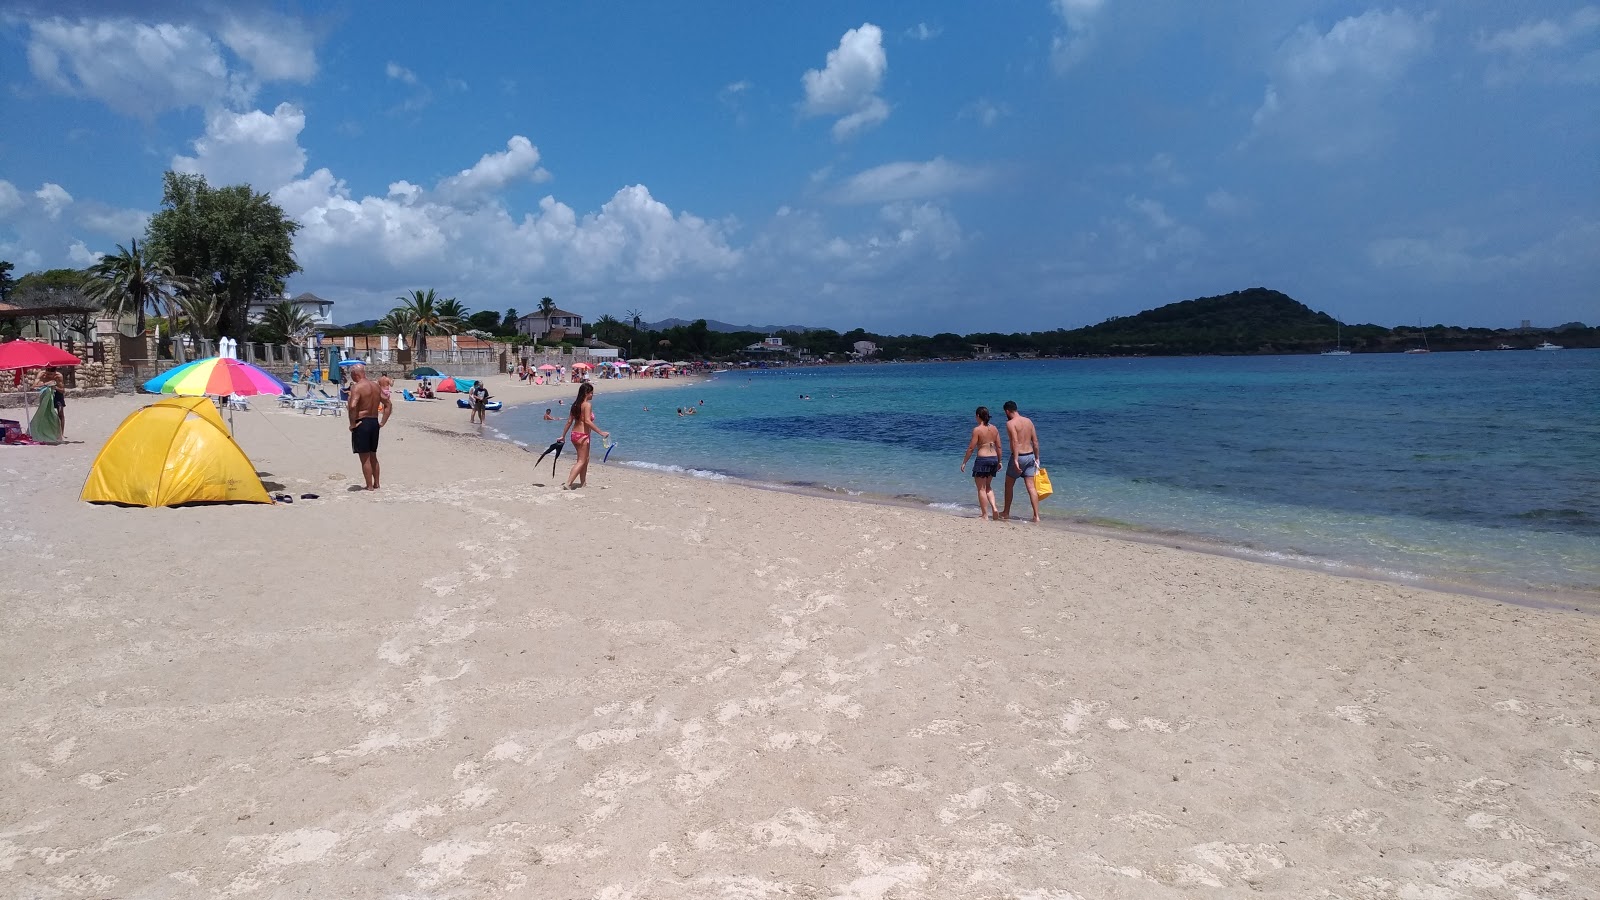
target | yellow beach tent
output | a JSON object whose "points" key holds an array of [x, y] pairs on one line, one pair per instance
{"points": [[173, 451]]}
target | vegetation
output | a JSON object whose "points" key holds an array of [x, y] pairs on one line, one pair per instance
{"points": [[422, 314], [285, 323], [128, 281], [233, 244]]}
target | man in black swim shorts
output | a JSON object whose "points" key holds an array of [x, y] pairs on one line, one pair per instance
{"points": [[369, 411]]}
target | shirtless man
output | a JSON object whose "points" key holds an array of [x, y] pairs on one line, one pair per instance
{"points": [[369, 411], [1024, 443]]}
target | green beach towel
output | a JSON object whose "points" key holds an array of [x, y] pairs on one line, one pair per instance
{"points": [[46, 424]]}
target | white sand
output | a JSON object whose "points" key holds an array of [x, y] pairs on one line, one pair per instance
{"points": [[472, 684]]}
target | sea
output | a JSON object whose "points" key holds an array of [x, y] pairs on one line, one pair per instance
{"points": [[1466, 469]]}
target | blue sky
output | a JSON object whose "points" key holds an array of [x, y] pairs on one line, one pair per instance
{"points": [[1014, 165]]}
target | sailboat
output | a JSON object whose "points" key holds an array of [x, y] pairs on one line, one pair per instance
{"points": [[1338, 349], [1424, 347]]}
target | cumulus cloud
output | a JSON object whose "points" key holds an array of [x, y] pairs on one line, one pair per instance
{"points": [[1327, 90], [79, 254], [985, 112], [44, 227], [910, 181], [53, 198], [134, 68], [1079, 20], [1225, 203], [145, 68], [10, 198], [1548, 50], [495, 172], [847, 86], [256, 148]]}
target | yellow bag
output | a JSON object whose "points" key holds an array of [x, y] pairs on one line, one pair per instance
{"points": [[1042, 483]]}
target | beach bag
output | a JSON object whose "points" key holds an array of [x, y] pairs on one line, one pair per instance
{"points": [[1042, 483]]}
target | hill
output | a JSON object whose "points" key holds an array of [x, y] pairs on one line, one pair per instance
{"points": [[1257, 320], [725, 328]]}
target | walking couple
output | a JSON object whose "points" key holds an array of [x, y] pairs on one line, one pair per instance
{"points": [[1023, 463]]}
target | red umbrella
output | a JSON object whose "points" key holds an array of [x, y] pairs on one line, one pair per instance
{"points": [[34, 355]]}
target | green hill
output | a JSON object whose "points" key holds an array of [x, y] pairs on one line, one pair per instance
{"points": [[1257, 320]]}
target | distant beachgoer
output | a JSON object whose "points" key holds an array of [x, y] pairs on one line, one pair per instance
{"points": [[548, 417], [52, 377], [1024, 441], [385, 386], [986, 442], [369, 411], [480, 403], [581, 424]]}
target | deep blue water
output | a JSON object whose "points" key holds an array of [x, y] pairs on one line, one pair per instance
{"points": [[1480, 468]]}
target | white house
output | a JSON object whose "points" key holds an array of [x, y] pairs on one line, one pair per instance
{"points": [[319, 310], [864, 349], [538, 325]]}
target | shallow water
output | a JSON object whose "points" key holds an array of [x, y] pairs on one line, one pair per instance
{"points": [[1469, 467]]}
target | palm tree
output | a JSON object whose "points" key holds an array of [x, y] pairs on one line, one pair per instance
{"points": [[202, 307], [452, 308], [285, 323], [635, 316], [424, 309], [546, 307], [605, 328], [129, 281]]}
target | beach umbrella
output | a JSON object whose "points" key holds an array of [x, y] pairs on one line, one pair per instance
{"points": [[217, 376], [581, 365], [347, 363], [425, 372], [656, 362], [547, 368], [34, 355], [636, 362]]}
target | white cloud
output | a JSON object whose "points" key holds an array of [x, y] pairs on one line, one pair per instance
{"points": [[922, 31], [1224, 203], [985, 111], [1459, 255], [1079, 19], [10, 198], [117, 224], [53, 198], [1548, 50], [1327, 89], [275, 48], [910, 181], [847, 86], [495, 172], [134, 68], [81, 256], [255, 148], [918, 226], [400, 73], [1545, 34]]}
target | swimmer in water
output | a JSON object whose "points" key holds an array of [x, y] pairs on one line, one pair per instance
{"points": [[548, 417]]}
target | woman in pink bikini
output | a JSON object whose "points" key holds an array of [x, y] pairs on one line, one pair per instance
{"points": [[580, 422]]}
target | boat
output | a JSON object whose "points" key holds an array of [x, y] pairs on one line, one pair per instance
{"points": [[1424, 347], [1505, 347], [1338, 346], [1549, 346]]}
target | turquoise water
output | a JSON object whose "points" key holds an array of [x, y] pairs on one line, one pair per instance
{"points": [[1477, 468]]}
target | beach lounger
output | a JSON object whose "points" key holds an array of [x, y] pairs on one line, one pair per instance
{"points": [[407, 395], [237, 402]]}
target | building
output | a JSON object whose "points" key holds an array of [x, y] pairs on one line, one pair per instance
{"points": [[319, 310], [558, 325], [864, 349]]}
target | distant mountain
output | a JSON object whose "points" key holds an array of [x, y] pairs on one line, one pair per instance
{"points": [[1249, 321], [725, 328]]}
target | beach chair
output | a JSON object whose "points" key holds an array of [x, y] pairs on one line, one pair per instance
{"points": [[237, 402], [407, 395]]}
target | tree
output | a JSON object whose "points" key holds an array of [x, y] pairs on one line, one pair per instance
{"points": [[231, 239], [452, 308], [486, 320], [546, 307], [607, 328], [63, 292], [423, 311], [285, 323], [7, 283], [202, 307], [128, 281]]}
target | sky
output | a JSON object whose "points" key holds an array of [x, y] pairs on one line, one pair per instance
{"points": [[904, 167]]}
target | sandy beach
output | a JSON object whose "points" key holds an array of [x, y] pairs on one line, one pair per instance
{"points": [[473, 684]]}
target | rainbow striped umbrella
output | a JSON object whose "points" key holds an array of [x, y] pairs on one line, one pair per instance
{"points": [[217, 376]]}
